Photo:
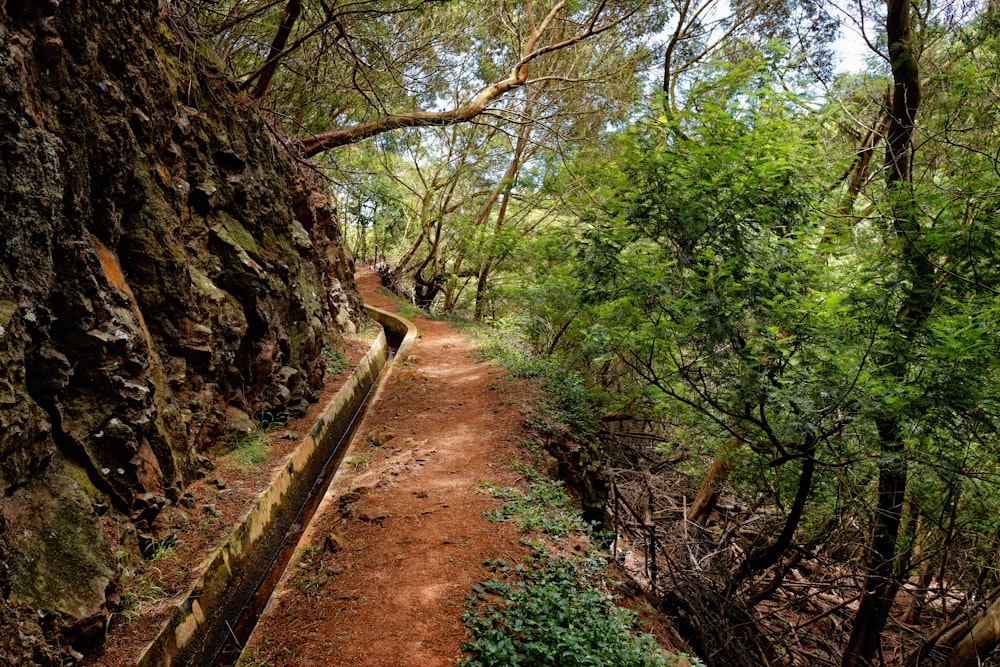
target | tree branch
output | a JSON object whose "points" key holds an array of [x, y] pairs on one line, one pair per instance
{"points": [[317, 143]]}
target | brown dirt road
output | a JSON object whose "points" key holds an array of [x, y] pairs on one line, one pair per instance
{"points": [[384, 570]]}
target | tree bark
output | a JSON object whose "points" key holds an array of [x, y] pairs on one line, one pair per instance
{"points": [[980, 642], [881, 582], [708, 493], [289, 15], [760, 559], [317, 143]]}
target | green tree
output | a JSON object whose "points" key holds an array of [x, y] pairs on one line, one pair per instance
{"points": [[705, 272]]}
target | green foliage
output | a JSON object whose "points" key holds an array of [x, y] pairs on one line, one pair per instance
{"points": [[702, 286], [500, 340], [251, 448], [542, 506], [568, 404], [140, 589], [162, 548], [312, 571], [359, 461], [712, 281], [410, 311], [335, 360], [543, 612], [262, 654]]}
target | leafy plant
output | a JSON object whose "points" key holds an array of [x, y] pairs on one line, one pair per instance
{"points": [[543, 612], [314, 572], [410, 311], [250, 449], [162, 548], [543, 505], [335, 360], [140, 587], [261, 655], [358, 461]]}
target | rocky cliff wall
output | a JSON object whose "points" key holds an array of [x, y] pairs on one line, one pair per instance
{"points": [[163, 263]]}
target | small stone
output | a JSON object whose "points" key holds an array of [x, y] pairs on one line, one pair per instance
{"points": [[380, 435], [239, 421], [373, 516], [204, 463], [204, 197], [334, 542]]}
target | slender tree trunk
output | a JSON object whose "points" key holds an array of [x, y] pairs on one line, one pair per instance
{"points": [[264, 76], [708, 494], [915, 608], [881, 583], [481, 289], [760, 559], [503, 193], [856, 175]]}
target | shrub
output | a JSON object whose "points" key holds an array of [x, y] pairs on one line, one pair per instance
{"points": [[542, 613]]}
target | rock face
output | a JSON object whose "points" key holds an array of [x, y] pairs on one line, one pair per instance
{"points": [[162, 263]]}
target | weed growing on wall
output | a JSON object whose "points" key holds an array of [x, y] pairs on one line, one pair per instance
{"points": [[335, 360], [251, 448]]}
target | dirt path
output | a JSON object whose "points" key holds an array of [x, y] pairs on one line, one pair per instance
{"points": [[401, 537]]}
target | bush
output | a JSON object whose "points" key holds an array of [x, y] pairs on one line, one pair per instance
{"points": [[542, 614]]}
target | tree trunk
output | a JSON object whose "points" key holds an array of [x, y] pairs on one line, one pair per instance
{"points": [[481, 290], [708, 494], [881, 583], [760, 559], [856, 175], [289, 15], [980, 642]]}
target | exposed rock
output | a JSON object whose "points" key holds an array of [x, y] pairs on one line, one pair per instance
{"points": [[238, 421], [335, 542], [160, 262], [56, 556], [380, 435]]}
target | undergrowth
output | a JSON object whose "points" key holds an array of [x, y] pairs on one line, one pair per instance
{"points": [[313, 572], [334, 360], [251, 448], [568, 404], [542, 506], [549, 611], [141, 584], [262, 655]]}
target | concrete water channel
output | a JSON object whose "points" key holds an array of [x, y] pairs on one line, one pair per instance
{"points": [[220, 611]]}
